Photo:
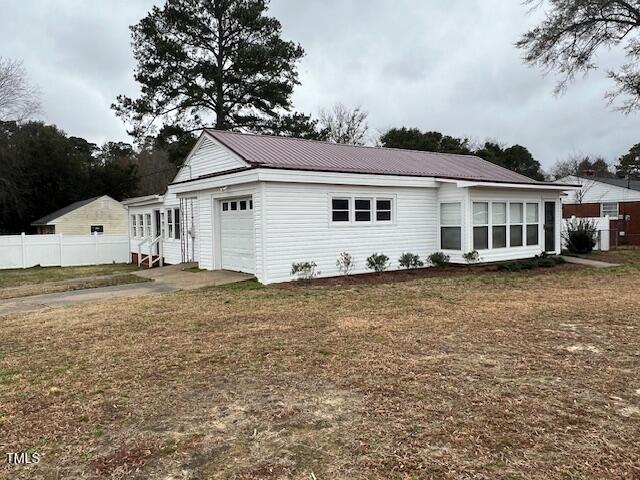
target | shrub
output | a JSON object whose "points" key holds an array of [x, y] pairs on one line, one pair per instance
{"points": [[304, 270], [439, 259], [471, 257], [378, 262], [410, 260], [580, 235], [345, 263], [542, 261]]}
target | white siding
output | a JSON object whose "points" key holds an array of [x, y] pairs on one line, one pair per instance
{"points": [[208, 157], [518, 196], [598, 192], [298, 227]]}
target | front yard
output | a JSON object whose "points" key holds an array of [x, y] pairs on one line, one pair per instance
{"points": [[498, 375]]}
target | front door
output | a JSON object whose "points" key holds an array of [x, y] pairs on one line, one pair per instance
{"points": [[549, 226]]}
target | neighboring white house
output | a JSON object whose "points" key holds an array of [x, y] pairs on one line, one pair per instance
{"points": [[100, 215], [257, 204]]}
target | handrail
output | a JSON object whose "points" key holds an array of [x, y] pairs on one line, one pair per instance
{"points": [[149, 256]]}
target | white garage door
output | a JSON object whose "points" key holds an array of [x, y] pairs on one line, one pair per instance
{"points": [[237, 236]]}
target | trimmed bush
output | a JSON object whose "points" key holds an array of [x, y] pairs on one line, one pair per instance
{"points": [[304, 270], [438, 259], [410, 260], [471, 257], [542, 261], [378, 262], [581, 235], [345, 263]]}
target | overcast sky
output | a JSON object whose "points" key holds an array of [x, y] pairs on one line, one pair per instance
{"points": [[446, 66]]}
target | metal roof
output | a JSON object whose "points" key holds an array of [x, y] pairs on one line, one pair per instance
{"points": [[618, 182], [63, 211], [299, 154]]}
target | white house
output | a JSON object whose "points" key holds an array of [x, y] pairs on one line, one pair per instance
{"points": [[257, 204]]}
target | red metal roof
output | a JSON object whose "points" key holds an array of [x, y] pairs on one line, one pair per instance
{"points": [[300, 154]]}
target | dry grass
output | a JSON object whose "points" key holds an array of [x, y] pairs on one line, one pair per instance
{"points": [[35, 275], [490, 376], [625, 255], [69, 285]]}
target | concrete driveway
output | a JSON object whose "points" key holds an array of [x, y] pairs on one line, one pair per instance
{"points": [[165, 279]]}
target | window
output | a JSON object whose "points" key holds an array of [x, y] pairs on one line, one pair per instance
{"points": [[243, 204], [169, 216], [499, 224], [450, 226], [480, 225], [610, 210], [363, 210], [234, 205], [533, 221], [225, 206], [250, 204], [97, 229], [340, 209], [516, 221], [134, 226], [176, 222], [147, 224], [140, 225], [383, 210]]}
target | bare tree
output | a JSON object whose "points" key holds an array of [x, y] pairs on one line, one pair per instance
{"points": [[572, 33], [578, 165], [19, 100], [344, 125]]}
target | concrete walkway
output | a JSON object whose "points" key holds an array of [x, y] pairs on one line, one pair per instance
{"points": [[166, 279], [589, 263]]}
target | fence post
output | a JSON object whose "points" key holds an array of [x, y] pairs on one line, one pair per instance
{"points": [[95, 241], [23, 250], [60, 247]]}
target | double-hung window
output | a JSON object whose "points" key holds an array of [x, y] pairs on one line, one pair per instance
{"points": [[176, 223], [169, 217], [140, 225], [340, 210], [147, 224], [516, 221], [451, 226], [363, 209], [383, 210], [480, 225], [610, 209], [499, 224], [533, 223], [134, 226]]}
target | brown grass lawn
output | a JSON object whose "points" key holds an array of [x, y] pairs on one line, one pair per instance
{"points": [[488, 376], [35, 275]]}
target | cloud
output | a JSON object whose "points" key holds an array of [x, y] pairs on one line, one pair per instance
{"points": [[446, 66]]}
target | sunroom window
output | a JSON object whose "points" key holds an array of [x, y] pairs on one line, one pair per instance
{"points": [[480, 225], [499, 224], [516, 224], [533, 223], [451, 226]]}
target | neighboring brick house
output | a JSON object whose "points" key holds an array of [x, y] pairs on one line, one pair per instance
{"points": [[617, 198]]}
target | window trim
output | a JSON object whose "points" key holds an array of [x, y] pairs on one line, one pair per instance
{"points": [[505, 225], [520, 224], [358, 210], [459, 226], [134, 225], [527, 224], [488, 226], [617, 204], [373, 212]]}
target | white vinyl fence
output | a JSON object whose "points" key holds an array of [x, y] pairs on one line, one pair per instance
{"points": [[24, 251], [603, 242]]}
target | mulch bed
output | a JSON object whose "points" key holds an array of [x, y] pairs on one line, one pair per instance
{"points": [[398, 276]]}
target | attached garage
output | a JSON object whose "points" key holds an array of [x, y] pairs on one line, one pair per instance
{"points": [[237, 235]]}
